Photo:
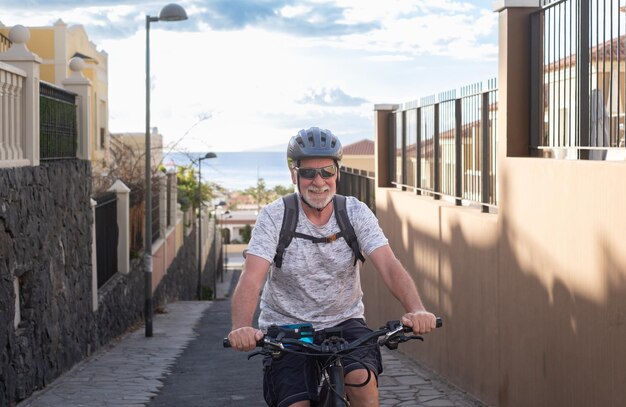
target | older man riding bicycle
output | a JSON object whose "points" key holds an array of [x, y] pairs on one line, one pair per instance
{"points": [[314, 277]]}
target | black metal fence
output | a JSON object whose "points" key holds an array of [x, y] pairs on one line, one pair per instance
{"points": [[577, 78], [442, 146], [360, 184], [156, 221], [58, 128], [168, 200], [136, 219], [107, 235]]}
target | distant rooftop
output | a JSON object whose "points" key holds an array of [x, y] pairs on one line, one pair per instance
{"points": [[363, 147]]}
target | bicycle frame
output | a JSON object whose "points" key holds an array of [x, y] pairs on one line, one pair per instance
{"points": [[336, 386]]}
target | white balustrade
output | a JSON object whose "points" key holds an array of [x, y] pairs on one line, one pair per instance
{"points": [[19, 102], [11, 84]]}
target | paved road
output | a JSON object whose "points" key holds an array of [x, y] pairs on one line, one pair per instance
{"points": [[184, 364]]}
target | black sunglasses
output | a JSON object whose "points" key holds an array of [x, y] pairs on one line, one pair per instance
{"points": [[310, 173]]}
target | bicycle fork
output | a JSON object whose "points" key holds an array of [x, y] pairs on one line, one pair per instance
{"points": [[336, 384]]}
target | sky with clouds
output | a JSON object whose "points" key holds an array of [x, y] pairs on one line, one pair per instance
{"points": [[246, 74]]}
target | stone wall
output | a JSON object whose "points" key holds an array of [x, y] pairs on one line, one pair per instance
{"points": [[181, 281], [45, 242], [120, 303]]}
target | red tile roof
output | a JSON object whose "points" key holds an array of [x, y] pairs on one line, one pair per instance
{"points": [[363, 147], [614, 49]]}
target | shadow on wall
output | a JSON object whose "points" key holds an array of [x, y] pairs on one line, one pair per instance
{"points": [[520, 328]]}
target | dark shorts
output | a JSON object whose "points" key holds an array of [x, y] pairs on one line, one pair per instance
{"points": [[292, 378]]}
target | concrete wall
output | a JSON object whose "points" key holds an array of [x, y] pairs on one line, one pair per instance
{"points": [[452, 254], [533, 297]]}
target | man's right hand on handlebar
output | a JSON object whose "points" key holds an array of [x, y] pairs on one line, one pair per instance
{"points": [[244, 339], [422, 322]]}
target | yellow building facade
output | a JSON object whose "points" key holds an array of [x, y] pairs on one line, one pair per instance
{"points": [[56, 45]]}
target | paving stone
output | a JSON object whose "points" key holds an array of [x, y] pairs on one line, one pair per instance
{"points": [[438, 403], [184, 364]]}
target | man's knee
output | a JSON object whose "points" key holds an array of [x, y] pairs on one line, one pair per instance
{"points": [[366, 395], [360, 376]]}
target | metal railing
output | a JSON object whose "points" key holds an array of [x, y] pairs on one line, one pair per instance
{"points": [[155, 216], [441, 146], [577, 79], [107, 235], [58, 127], [360, 184], [168, 200], [136, 219]]}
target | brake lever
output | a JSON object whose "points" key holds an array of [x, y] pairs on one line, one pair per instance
{"points": [[270, 348], [393, 330]]}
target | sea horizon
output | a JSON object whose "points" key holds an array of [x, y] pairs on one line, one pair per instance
{"points": [[237, 171]]}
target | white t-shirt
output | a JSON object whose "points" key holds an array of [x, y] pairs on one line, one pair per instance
{"points": [[318, 282]]}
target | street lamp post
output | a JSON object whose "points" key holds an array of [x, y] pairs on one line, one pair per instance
{"points": [[208, 155], [171, 12]]}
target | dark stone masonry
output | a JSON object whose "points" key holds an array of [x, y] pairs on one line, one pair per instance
{"points": [[45, 249], [45, 242]]}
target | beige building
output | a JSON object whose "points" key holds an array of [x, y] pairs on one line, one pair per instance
{"points": [[56, 45], [359, 156], [134, 144]]}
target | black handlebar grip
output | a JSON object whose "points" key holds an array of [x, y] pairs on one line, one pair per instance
{"points": [[259, 344], [439, 322]]}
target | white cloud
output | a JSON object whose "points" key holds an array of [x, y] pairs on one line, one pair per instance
{"points": [[250, 78], [388, 58], [429, 28], [294, 11]]}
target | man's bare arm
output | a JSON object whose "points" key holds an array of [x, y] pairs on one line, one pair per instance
{"points": [[402, 286], [244, 302]]}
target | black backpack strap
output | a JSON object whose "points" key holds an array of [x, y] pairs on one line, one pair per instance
{"points": [[288, 228], [341, 214], [327, 239]]}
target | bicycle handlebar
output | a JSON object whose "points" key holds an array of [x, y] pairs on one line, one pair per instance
{"points": [[259, 344], [391, 329]]}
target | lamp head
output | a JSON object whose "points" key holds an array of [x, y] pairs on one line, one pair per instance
{"points": [[210, 155], [172, 12]]}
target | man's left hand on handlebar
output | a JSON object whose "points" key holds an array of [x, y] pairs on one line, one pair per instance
{"points": [[422, 322]]}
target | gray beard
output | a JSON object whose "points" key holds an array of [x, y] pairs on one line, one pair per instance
{"points": [[314, 204]]}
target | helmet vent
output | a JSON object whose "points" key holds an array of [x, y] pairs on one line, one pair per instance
{"points": [[311, 140], [300, 142]]}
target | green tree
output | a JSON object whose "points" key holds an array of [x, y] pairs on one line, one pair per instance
{"points": [[259, 193], [246, 233], [262, 195], [188, 188], [281, 190]]}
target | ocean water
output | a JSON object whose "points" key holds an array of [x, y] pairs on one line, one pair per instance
{"points": [[238, 171]]}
